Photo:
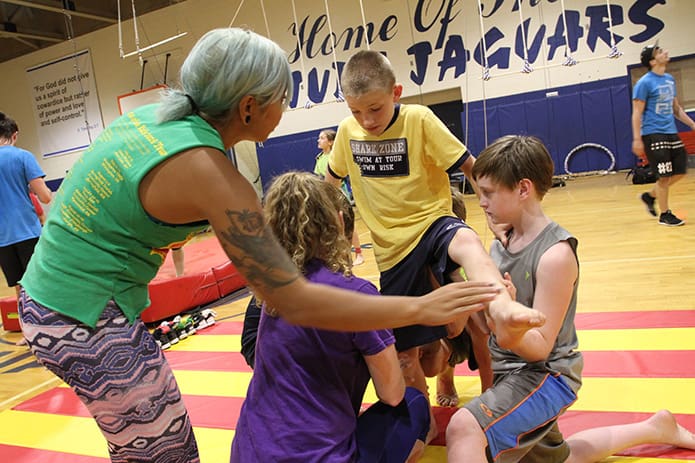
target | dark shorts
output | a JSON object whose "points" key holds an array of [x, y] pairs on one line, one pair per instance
{"points": [[519, 416], [411, 277], [14, 259], [249, 333], [666, 154], [387, 434]]}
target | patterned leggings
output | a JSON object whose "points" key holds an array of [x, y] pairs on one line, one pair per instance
{"points": [[120, 374]]}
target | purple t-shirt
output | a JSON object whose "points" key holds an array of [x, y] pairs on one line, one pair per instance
{"points": [[307, 387]]}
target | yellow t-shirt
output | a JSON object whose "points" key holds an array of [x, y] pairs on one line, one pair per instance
{"points": [[399, 179]]}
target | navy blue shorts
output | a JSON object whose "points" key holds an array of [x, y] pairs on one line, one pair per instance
{"points": [[412, 277], [387, 434]]}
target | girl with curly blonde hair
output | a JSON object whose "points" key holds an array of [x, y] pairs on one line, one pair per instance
{"points": [[308, 384]]}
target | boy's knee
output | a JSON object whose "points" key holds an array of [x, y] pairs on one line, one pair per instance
{"points": [[463, 424], [664, 181], [409, 361], [433, 359]]}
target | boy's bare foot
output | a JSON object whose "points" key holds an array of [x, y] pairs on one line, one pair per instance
{"points": [[21, 342], [447, 400], [510, 324], [446, 389], [670, 431]]}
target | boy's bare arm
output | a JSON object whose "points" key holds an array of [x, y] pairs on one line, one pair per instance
{"points": [[509, 319], [636, 122], [331, 179], [555, 277], [41, 190]]}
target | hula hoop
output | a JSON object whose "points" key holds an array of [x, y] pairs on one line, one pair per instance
{"points": [[589, 145]]}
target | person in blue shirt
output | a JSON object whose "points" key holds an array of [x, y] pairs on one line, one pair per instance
{"points": [[19, 223], [654, 134]]}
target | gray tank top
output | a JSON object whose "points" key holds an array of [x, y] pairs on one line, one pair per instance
{"points": [[522, 266]]}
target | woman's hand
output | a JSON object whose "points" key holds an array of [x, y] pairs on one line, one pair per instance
{"points": [[446, 304]]}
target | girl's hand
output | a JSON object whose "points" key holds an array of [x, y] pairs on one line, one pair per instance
{"points": [[509, 285]]}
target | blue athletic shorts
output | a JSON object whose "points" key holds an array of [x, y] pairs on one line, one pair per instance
{"points": [[519, 415]]}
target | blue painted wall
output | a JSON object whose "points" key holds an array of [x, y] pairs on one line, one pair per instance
{"points": [[291, 152]]}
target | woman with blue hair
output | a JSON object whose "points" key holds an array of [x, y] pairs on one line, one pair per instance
{"points": [[152, 180]]}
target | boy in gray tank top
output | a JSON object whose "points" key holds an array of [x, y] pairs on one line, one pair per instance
{"points": [[537, 378]]}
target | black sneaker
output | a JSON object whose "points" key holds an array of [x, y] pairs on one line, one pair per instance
{"points": [[667, 218], [649, 201]]}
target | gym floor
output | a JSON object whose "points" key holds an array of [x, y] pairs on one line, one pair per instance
{"points": [[636, 322]]}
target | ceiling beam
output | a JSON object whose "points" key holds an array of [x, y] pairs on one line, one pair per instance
{"points": [[20, 35], [25, 42], [60, 10]]}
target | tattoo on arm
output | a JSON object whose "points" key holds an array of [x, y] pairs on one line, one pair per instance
{"points": [[256, 252]]}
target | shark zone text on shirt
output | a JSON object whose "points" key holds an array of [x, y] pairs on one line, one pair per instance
{"points": [[381, 158]]}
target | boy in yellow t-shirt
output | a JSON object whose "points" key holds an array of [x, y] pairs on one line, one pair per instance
{"points": [[398, 158]]}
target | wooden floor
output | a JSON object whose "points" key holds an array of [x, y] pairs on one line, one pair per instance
{"points": [[628, 263]]}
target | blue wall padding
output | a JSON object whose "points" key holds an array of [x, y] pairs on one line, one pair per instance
{"points": [[600, 122], [539, 125], [512, 118], [594, 112], [567, 128], [621, 99], [291, 152]]}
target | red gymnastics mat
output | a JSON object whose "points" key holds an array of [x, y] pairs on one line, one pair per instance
{"points": [[208, 276], [220, 411]]}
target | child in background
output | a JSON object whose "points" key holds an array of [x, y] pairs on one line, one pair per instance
{"points": [[325, 143], [537, 378], [308, 384]]}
